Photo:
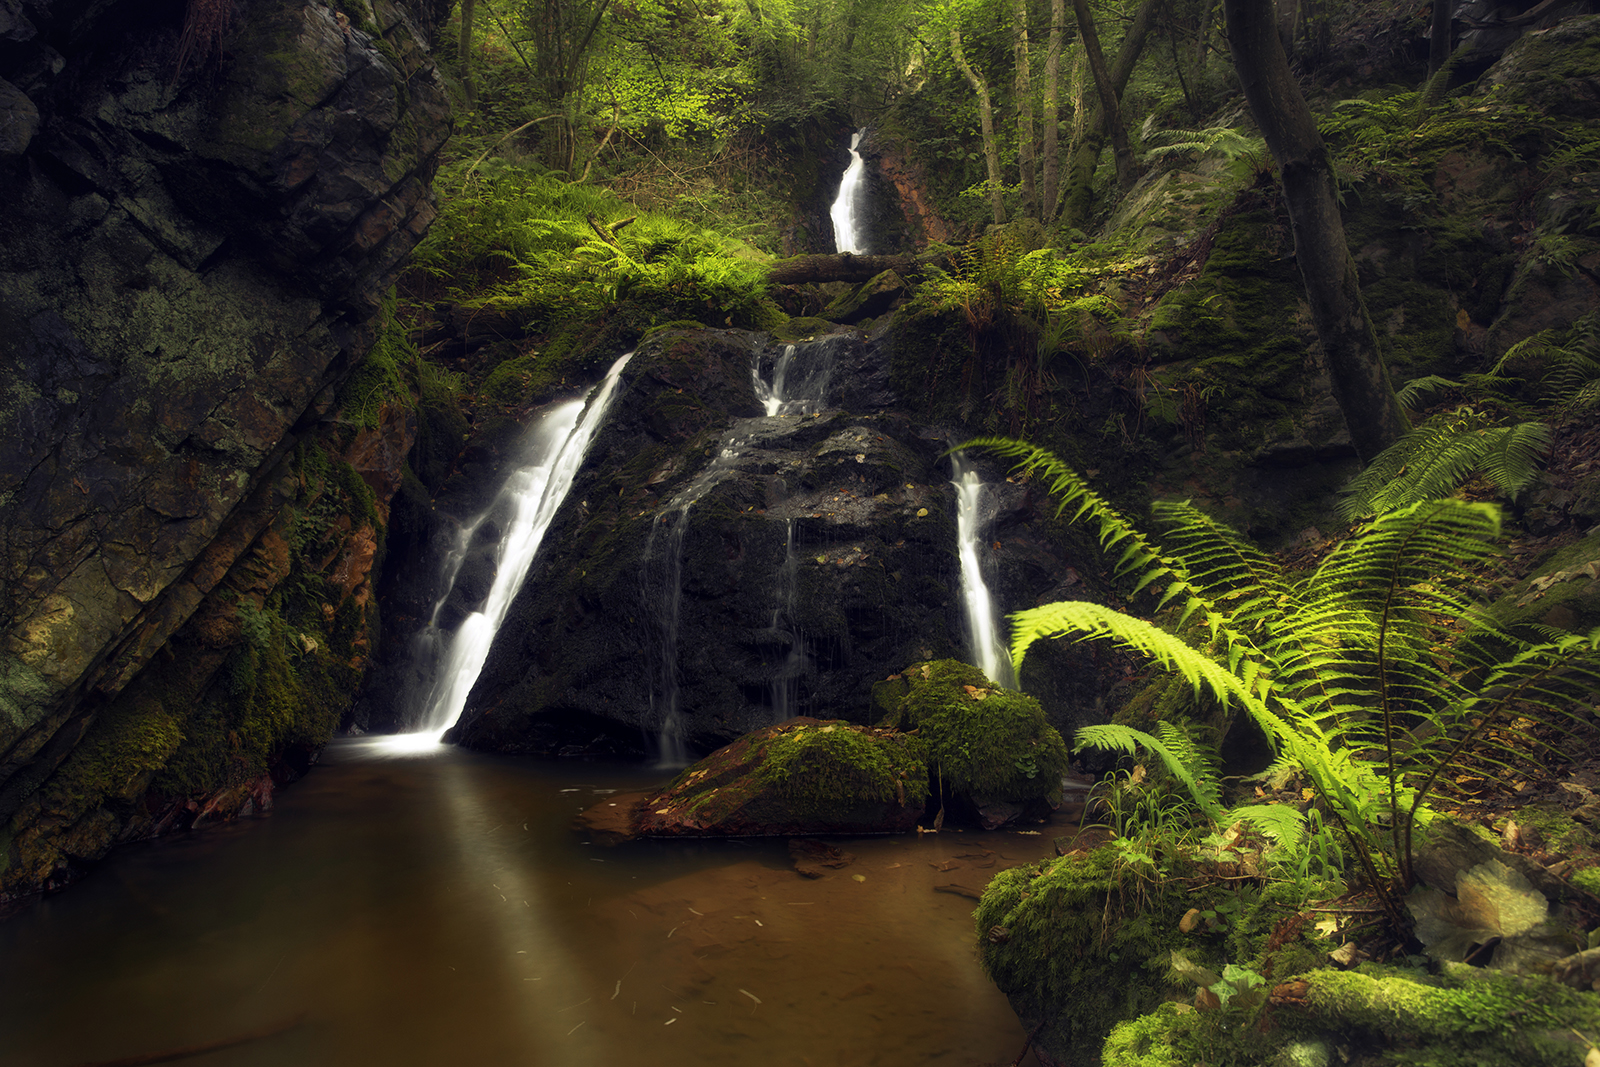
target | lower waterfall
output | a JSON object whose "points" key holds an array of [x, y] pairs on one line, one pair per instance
{"points": [[524, 508]]}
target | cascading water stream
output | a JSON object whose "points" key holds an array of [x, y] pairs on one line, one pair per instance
{"points": [[845, 237], [797, 387], [988, 648], [786, 682], [531, 496]]}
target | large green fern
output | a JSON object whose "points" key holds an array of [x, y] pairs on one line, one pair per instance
{"points": [[1374, 675]]}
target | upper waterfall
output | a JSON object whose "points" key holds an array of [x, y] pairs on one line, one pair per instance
{"points": [[846, 238]]}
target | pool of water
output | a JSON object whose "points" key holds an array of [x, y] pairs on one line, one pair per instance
{"points": [[439, 910]]}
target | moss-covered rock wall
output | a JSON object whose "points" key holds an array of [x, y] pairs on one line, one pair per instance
{"points": [[193, 261]]}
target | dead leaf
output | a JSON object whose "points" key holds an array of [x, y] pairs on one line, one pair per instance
{"points": [[1491, 901]]}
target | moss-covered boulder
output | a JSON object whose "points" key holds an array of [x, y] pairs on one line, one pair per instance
{"points": [[1083, 942], [804, 776], [1376, 1015], [988, 747]]}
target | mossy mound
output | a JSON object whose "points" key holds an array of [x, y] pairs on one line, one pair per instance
{"points": [[1376, 1015], [803, 776], [985, 743], [1081, 943]]}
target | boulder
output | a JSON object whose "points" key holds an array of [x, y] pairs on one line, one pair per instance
{"points": [[804, 776], [994, 756]]}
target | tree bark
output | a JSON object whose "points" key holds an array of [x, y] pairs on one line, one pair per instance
{"points": [[1051, 117], [1026, 163], [1350, 345], [1109, 92], [1439, 35], [464, 52], [1080, 176], [991, 151], [843, 267]]}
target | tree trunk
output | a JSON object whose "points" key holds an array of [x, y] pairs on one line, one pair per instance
{"points": [[1051, 117], [1439, 35], [1108, 91], [1026, 163], [1080, 177], [464, 52], [1350, 345], [991, 151], [843, 267]]}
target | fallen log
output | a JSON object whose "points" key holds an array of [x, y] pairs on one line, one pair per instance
{"points": [[843, 267]]}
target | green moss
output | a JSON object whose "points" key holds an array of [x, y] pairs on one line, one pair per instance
{"points": [[116, 759], [983, 741], [825, 768], [1084, 943], [1494, 1017]]}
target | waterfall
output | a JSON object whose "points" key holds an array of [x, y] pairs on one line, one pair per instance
{"points": [[525, 506], [845, 238], [988, 649], [786, 682], [795, 389]]}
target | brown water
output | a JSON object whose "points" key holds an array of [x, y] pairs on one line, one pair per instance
{"points": [[439, 911]]}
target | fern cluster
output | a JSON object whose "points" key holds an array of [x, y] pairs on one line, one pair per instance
{"points": [[545, 251], [1372, 675]]}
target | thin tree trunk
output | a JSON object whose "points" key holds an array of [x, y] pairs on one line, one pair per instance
{"points": [[1349, 344], [1439, 35], [1026, 163], [991, 151], [464, 52], [1108, 92], [1080, 177], [1051, 117]]}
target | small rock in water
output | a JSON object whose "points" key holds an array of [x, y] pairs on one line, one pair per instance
{"points": [[813, 858]]}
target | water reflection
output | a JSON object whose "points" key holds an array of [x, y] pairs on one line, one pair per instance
{"points": [[401, 910]]}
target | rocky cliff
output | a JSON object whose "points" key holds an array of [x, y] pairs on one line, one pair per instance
{"points": [[195, 255]]}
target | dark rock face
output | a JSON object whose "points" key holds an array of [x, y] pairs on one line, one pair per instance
{"points": [[715, 570], [189, 267]]}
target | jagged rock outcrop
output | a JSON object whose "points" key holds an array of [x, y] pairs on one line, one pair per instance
{"points": [[191, 264]]}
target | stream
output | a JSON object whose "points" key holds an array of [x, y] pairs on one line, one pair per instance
{"points": [[438, 910]]}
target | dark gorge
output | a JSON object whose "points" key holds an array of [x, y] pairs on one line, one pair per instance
{"points": [[296, 298]]}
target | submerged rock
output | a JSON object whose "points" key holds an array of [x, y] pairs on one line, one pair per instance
{"points": [[805, 776]]}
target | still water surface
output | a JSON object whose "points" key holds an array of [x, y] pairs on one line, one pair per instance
{"points": [[440, 911]]}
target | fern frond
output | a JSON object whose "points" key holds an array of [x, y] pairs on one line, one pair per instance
{"points": [[1416, 390], [1431, 461], [1284, 824], [1126, 739]]}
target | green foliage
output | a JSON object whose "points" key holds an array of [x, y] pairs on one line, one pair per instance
{"points": [[394, 371], [1562, 366], [1433, 460], [541, 252], [1244, 154], [1372, 674]]}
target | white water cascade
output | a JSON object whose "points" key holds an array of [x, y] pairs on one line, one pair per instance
{"points": [[529, 500], [786, 682], [988, 647], [845, 237]]}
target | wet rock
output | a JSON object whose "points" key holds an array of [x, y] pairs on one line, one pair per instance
{"points": [[805, 776], [814, 859]]}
